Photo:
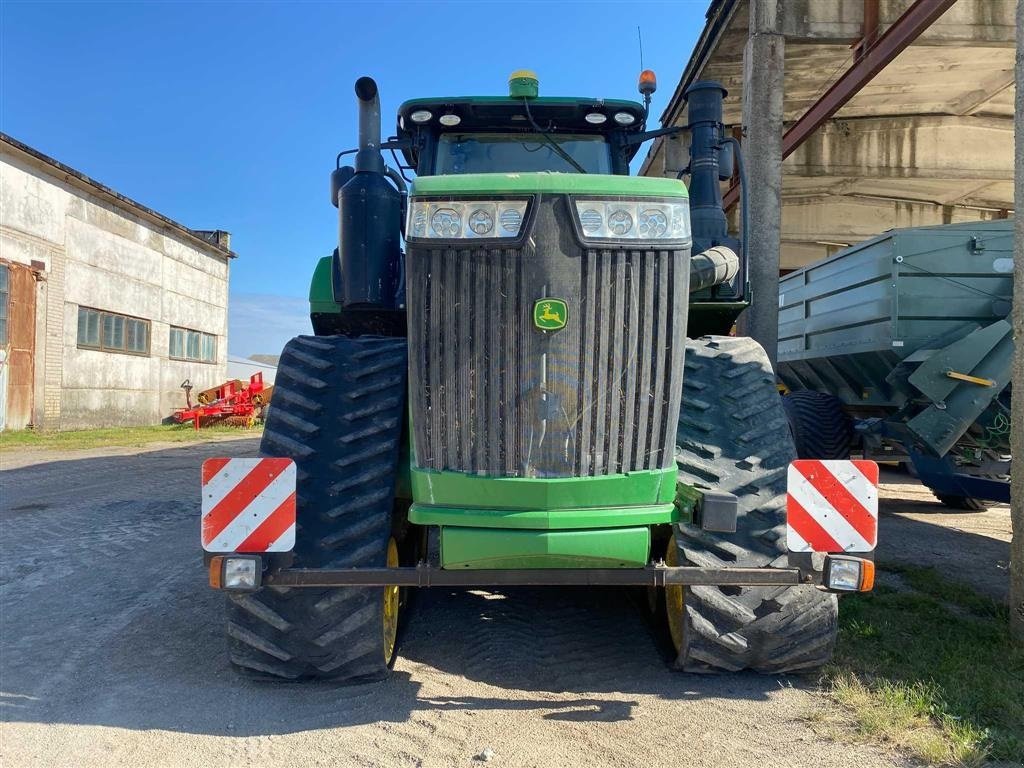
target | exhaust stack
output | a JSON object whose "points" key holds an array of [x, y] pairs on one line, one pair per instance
{"points": [[370, 218], [368, 158]]}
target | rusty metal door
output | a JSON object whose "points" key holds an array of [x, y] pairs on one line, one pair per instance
{"points": [[17, 343]]}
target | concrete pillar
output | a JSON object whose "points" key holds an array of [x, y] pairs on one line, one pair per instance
{"points": [[1017, 416], [763, 70]]}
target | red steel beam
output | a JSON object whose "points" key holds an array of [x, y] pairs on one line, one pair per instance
{"points": [[907, 28], [869, 28]]}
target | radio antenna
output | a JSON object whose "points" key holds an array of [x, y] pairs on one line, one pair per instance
{"points": [[640, 40]]}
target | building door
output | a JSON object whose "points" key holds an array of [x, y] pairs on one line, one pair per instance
{"points": [[17, 345]]}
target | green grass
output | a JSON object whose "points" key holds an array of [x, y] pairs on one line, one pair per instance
{"points": [[30, 439], [930, 667]]}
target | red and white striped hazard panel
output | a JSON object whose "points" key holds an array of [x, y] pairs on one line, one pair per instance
{"points": [[248, 505], [832, 506]]}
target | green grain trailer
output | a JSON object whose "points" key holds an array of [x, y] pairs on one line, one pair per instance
{"points": [[899, 348], [501, 389]]}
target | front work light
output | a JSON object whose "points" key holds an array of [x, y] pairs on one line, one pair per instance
{"points": [[449, 120], [421, 116], [849, 574], [465, 219], [634, 219], [595, 118], [624, 118]]}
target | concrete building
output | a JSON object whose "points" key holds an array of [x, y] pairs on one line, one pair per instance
{"points": [[929, 140], [105, 305]]}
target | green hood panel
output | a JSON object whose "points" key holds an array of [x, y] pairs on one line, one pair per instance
{"points": [[553, 183], [321, 288]]}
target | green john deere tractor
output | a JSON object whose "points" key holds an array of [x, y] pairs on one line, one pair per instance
{"points": [[512, 380]]}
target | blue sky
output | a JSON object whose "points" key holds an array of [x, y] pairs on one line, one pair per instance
{"points": [[229, 115]]}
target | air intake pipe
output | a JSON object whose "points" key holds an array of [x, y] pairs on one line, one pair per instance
{"points": [[713, 267], [704, 114], [370, 218], [713, 156]]}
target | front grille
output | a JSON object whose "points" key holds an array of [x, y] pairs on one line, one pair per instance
{"points": [[493, 395]]}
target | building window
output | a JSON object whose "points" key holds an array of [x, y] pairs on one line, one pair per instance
{"points": [[110, 332], [191, 345], [5, 299]]}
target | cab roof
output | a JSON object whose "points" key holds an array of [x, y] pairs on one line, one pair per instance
{"points": [[505, 114]]}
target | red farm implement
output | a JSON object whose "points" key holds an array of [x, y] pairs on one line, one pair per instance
{"points": [[231, 402]]}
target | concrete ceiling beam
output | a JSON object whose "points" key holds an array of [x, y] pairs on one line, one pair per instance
{"points": [[931, 146], [850, 219], [987, 90]]}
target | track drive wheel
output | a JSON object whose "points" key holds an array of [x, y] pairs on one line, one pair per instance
{"points": [[339, 406], [733, 436]]}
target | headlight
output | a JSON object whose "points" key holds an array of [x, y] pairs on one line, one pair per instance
{"points": [[620, 222], [849, 574], [653, 222], [467, 219], [239, 573], [592, 220], [446, 222], [511, 220], [481, 221], [634, 219]]}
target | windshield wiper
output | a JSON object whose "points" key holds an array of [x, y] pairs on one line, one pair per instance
{"points": [[554, 144]]}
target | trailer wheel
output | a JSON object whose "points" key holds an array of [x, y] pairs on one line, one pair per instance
{"points": [[339, 405], [966, 503], [733, 437], [820, 428]]}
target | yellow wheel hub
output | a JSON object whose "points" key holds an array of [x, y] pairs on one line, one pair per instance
{"points": [[675, 601], [391, 605]]}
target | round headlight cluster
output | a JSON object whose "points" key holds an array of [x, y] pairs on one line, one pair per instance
{"points": [[446, 222], [653, 223], [620, 222], [481, 222], [465, 219], [640, 219]]}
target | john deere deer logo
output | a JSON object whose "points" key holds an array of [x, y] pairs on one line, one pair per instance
{"points": [[550, 314]]}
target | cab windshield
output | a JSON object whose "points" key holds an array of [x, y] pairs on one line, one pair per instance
{"points": [[520, 153]]}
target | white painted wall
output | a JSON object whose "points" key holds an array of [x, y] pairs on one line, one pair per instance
{"points": [[97, 254]]}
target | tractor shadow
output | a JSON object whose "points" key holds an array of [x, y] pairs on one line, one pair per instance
{"points": [[107, 620]]}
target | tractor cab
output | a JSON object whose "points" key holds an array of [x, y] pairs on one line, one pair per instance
{"points": [[520, 133]]}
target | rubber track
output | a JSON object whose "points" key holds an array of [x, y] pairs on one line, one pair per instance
{"points": [[338, 410], [733, 436], [821, 430]]}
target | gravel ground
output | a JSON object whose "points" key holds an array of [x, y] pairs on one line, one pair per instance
{"points": [[112, 653], [972, 547]]}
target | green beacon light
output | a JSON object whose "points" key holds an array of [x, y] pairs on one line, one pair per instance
{"points": [[523, 84]]}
